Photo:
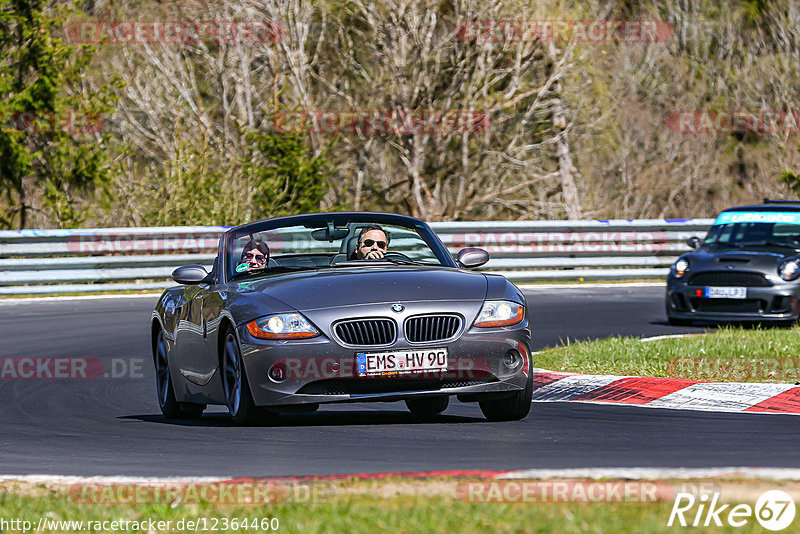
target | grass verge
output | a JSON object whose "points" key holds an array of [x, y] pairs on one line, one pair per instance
{"points": [[732, 354], [387, 505]]}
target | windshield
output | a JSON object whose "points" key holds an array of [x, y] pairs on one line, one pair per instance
{"points": [[329, 244], [756, 228]]}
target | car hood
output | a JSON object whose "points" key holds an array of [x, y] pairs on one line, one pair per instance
{"points": [[309, 290], [714, 259]]}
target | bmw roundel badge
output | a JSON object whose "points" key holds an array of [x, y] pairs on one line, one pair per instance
{"points": [[398, 308]]}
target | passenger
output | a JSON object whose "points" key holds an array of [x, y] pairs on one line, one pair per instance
{"points": [[373, 242], [255, 254]]}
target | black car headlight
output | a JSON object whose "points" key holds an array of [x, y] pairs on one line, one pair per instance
{"points": [[680, 267], [789, 270]]}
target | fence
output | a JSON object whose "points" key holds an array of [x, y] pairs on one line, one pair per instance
{"points": [[110, 259]]}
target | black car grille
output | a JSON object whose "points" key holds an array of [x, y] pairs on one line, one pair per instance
{"points": [[727, 278], [432, 327], [367, 331], [399, 384], [729, 305]]}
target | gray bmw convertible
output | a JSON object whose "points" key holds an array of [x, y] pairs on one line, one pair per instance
{"points": [[340, 307]]}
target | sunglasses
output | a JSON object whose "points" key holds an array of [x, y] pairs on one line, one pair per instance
{"points": [[370, 242], [257, 257]]}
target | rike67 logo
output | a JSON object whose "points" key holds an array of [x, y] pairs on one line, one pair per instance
{"points": [[774, 510]]}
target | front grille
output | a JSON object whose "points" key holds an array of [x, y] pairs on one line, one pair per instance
{"points": [[728, 278], [424, 328], [400, 384], [729, 305], [367, 331]]}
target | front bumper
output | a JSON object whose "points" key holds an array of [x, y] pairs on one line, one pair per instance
{"points": [[320, 370], [779, 302]]}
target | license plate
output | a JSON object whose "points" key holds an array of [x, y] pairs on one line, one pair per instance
{"points": [[400, 362], [726, 292]]}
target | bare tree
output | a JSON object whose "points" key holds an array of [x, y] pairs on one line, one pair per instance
{"points": [[572, 129]]}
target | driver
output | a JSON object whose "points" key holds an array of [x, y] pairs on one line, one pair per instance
{"points": [[373, 242], [255, 254]]}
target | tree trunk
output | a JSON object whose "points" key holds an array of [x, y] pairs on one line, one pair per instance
{"points": [[23, 208], [566, 170]]}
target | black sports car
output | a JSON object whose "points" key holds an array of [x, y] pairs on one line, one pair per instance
{"points": [[745, 269], [340, 307]]}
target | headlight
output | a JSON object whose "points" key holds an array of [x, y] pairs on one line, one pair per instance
{"points": [[789, 270], [282, 326], [500, 313], [680, 268]]}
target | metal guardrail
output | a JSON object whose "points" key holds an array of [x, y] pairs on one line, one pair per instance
{"points": [[110, 259]]}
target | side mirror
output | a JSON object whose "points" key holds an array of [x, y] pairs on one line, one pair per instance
{"points": [[470, 258], [693, 242], [189, 274]]}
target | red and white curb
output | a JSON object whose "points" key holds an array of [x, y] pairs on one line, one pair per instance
{"points": [[674, 393], [629, 473]]}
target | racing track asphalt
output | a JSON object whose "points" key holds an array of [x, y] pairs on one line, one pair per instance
{"points": [[112, 426]]}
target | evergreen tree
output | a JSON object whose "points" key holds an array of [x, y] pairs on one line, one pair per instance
{"points": [[286, 179], [51, 138]]}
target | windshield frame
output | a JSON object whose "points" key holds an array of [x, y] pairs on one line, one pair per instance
{"points": [[733, 218], [339, 219]]}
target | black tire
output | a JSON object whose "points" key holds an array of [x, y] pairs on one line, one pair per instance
{"points": [[679, 322], [170, 407], [238, 397], [427, 405], [513, 407]]}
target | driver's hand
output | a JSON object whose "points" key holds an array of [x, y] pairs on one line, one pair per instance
{"points": [[374, 255]]}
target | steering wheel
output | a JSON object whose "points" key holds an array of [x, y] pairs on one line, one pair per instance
{"points": [[400, 255]]}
